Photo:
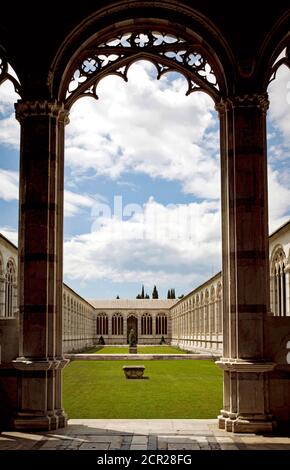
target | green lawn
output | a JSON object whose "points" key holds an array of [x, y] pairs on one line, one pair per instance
{"points": [[140, 350], [171, 389]]}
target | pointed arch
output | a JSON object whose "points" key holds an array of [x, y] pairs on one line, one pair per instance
{"points": [[10, 288]]}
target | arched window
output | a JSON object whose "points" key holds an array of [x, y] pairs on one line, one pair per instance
{"points": [[146, 324], [102, 324], [161, 324], [212, 310], [278, 280], [10, 279], [2, 287], [117, 324], [219, 320]]}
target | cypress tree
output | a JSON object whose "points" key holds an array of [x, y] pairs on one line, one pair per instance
{"points": [[155, 293], [168, 294], [142, 293]]}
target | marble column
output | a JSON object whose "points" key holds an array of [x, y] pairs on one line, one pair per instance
{"points": [[245, 264], [40, 359]]}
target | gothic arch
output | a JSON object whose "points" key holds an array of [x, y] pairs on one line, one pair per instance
{"points": [[242, 106], [117, 324], [278, 264], [199, 34], [10, 288], [278, 39], [102, 324], [161, 324], [1, 264], [146, 324]]}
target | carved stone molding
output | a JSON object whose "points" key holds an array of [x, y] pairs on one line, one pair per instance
{"points": [[254, 100], [238, 365], [26, 364], [24, 109]]}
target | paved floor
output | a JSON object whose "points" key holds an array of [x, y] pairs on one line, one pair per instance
{"points": [[123, 434]]}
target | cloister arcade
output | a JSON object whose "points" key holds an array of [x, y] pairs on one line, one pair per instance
{"points": [[232, 56]]}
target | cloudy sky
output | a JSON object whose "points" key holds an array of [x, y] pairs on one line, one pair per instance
{"points": [[142, 191]]}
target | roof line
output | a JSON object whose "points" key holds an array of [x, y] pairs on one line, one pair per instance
{"points": [[8, 241]]}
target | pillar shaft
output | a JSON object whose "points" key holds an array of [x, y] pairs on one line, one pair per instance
{"points": [[245, 263], [40, 265]]}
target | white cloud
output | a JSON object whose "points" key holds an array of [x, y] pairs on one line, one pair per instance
{"points": [[147, 126], [279, 149], [174, 245], [279, 95], [9, 126], [279, 200], [74, 203], [10, 132], [10, 233], [9, 185]]}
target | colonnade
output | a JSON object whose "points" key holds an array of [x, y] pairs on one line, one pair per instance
{"points": [[79, 326], [196, 319]]}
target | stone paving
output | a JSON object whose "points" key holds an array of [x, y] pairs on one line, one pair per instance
{"points": [[123, 434]]}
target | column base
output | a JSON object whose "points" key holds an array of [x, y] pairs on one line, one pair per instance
{"points": [[29, 422], [246, 396], [242, 424]]}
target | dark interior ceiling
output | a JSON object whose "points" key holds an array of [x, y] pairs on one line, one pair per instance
{"points": [[32, 31]]}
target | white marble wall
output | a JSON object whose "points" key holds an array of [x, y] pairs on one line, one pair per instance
{"points": [[144, 336], [79, 328], [196, 320], [193, 323], [8, 279]]}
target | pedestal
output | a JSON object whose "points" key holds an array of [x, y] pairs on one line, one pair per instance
{"points": [[246, 401]]}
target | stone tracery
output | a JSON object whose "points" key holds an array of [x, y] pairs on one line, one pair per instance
{"points": [[166, 51]]}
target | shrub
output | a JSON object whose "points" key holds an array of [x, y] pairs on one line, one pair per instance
{"points": [[101, 340], [162, 341]]}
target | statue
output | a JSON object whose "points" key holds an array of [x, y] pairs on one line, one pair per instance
{"points": [[132, 342], [132, 338]]}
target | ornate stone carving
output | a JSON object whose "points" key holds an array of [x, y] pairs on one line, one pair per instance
{"points": [[24, 109], [166, 51], [238, 365], [26, 364], [5, 75], [282, 59], [244, 101]]}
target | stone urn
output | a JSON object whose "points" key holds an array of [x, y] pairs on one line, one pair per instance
{"points": [[133, 372]]}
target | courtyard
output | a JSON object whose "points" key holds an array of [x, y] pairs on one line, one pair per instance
{"points": [[170, 389], [133, 435]]}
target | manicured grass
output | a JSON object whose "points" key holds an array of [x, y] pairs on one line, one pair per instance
{"points": [[170, 389], [140, 350]]}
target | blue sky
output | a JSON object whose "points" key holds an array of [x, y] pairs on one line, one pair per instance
{"points": [[142, 193]]}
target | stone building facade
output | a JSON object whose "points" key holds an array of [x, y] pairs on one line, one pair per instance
{"points": [[150, 319], [196, 319], [79, 328], [194, 323], [216, 55]]}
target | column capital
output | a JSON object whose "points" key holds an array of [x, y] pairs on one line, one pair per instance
{"points": [[24, 109], [254, 100]]}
